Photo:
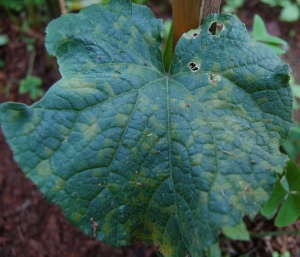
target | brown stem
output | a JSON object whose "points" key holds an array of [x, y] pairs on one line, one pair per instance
{"points": [[62, 6], [208, 7], [189, 14]]}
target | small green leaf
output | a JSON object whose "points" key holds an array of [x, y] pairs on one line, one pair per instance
{"points": [[238, 232], [261, 34], [139, 1], [289, 211], [277, 254], [168, 54], [296, 90], [276, 198], [31, 84], [296, 200], [231, 6], [271, 40], [271, 3], [275, 48], [2, 63], [284, 3], [293, 176], [290, 13], [259, 27], [77, 5], [295, 87], [4, 39], [15, 5], [213, 251], [235, 3], [292, 145], [292, 148], [228, 9]]}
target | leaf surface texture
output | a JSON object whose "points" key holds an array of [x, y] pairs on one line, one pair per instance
{"points": [[130, 152]]}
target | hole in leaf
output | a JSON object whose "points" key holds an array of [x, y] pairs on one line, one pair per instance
{"points": [[192, 34], [216, 28], [194, 67]]}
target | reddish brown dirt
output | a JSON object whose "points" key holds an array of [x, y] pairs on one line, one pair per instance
{"points": [[31, 227]]}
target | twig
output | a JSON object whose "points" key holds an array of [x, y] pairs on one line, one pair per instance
{"points": [[31, 62], [18, 209]]}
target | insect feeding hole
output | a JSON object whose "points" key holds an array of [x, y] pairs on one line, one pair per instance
{"points": [[194, 67], [216, 28]]}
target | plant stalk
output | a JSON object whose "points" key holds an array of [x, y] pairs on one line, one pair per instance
{"points": [[53, 8], [62, 6], [189, 14], [31, 62]]}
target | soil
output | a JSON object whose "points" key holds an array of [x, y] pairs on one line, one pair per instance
{"points": [[30, 226]]}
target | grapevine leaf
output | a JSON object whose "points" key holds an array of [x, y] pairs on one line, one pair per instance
{"points": [[130, 152]]}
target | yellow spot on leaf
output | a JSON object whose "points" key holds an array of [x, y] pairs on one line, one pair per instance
{"points": [[44, 169]]}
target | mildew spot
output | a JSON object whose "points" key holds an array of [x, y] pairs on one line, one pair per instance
{"points": [[194, 67], [214, 77]]}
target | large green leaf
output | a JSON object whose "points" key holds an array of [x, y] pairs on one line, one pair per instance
{"points": [[130, 152]]}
